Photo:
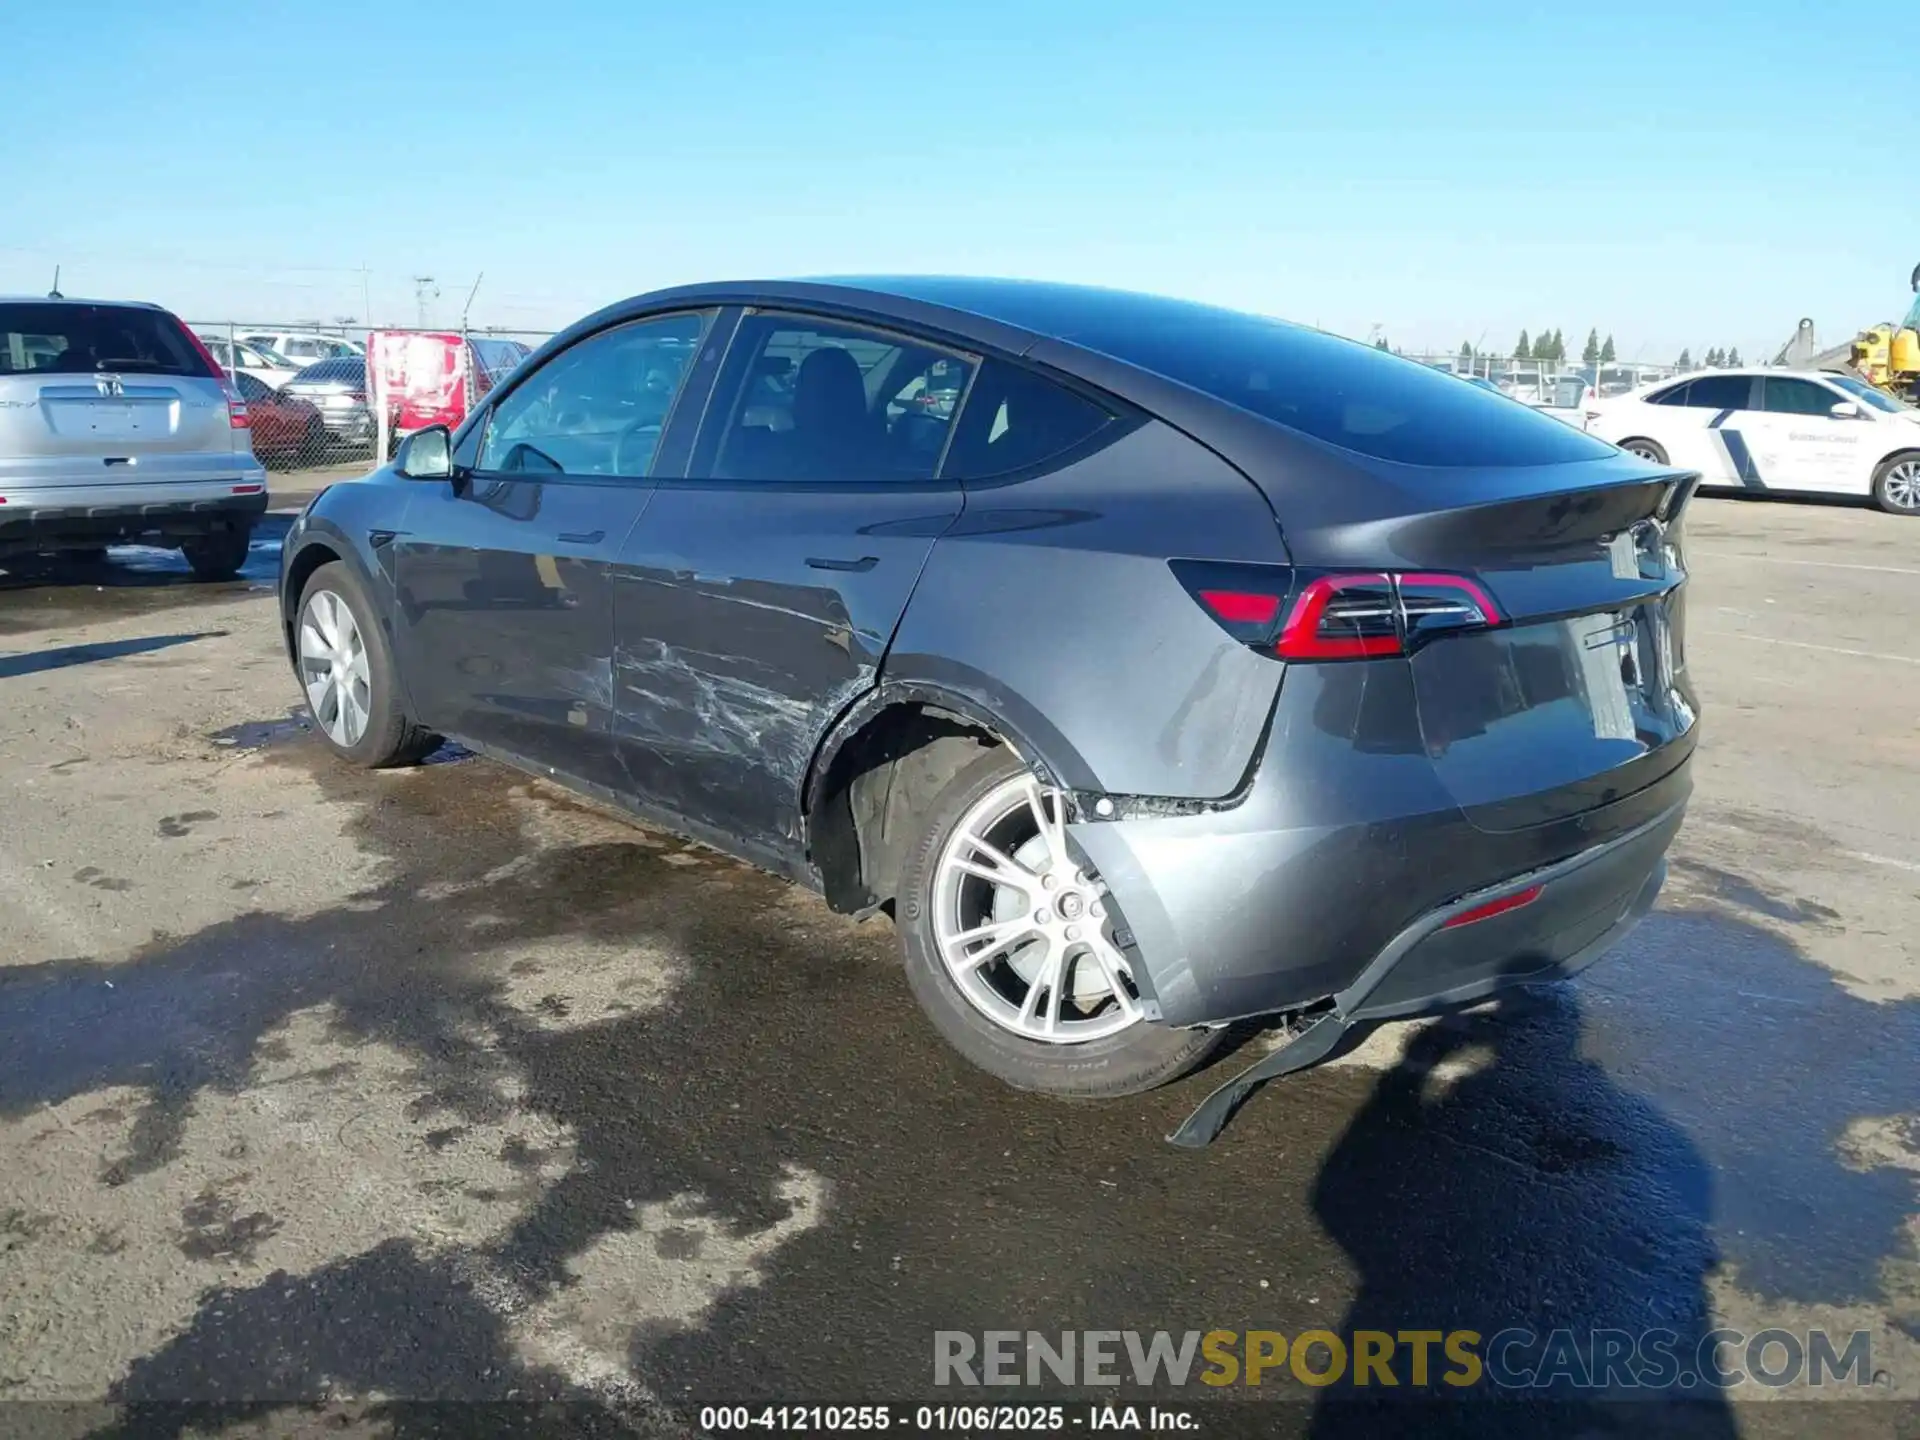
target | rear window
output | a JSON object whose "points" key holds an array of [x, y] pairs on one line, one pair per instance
{"points": [[58, 339], [341, 368], [1337, 391]]}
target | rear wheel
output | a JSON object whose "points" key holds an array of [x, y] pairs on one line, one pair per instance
{"points": [[1896, 485], [1646, 449], [1009, 946], [220, 555], [347, 671]]}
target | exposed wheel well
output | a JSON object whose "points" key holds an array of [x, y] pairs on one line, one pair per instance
{"points": [[877, 785], [310, 559]]}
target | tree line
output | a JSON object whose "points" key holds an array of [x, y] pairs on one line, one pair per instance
{"points": [[1551, 345]]}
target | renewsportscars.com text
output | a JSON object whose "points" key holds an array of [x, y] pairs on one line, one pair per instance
{"points": [[1457, 1359]]}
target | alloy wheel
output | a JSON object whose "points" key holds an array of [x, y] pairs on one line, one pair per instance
{"points": [[1025, 934], [1902, 485], [334, 670]]}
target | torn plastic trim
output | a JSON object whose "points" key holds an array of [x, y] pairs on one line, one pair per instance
{"points": [[1345, 1019], [1093, 806]]}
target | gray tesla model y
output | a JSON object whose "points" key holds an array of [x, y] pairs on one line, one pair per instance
{"points": [[1156, 666]]}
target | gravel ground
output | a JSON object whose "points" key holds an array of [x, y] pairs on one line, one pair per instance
{"points": [[322, 1086]]}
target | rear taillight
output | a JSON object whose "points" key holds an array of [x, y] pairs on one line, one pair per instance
{"points": [[236, 407], [1341, 616]]}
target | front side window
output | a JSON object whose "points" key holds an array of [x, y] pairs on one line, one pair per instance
{"points": [[1796, 397], [1016, 419], [598, 407], [816, 400], [1860, 390]]}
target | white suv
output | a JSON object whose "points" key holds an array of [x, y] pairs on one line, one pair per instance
{"points": [[1808, 431], [117, 425]]}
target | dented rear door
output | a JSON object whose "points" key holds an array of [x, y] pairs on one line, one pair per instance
{"points": [[761, 589]]}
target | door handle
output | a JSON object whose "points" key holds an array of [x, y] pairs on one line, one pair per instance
{"points": [[581, 537], [828, 562]]}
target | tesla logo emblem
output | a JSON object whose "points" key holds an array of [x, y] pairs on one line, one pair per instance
{"points": [[109, 385]]}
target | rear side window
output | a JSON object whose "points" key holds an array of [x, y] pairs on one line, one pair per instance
{"points": [[818, 400], [1673, 395], [1796, 397], [1337, 391], [60, 339], [1720, 392], [1015, 419]]}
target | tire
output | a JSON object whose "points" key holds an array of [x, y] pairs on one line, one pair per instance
{"points": [[386, 736], [220, 555], [1139, 1057], [1648, 450], [1896, 484]]}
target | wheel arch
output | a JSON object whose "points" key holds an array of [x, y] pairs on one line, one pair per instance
{"points": [[888, 754]]}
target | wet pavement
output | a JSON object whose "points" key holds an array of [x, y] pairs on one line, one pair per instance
{"points": [[325, 1086]]}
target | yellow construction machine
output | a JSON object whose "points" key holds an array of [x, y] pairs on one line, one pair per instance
{"points": [[1889, 355]]}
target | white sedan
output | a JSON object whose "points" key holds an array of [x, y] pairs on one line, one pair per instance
{"points": [[1812, 432]]}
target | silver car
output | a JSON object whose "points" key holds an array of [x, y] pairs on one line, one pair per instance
{"points": [[117, 426]]}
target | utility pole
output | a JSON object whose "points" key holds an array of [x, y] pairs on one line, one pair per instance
{"points": [[467, 308], [366, 297]]}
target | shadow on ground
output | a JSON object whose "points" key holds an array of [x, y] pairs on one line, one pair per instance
{"points": [[1581, 1176], [39, 593]]}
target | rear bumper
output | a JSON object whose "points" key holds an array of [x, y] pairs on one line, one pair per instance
{"points": [[35, 527], [1336, 874]]}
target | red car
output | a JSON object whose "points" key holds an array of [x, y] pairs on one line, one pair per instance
{"points": [[283, 428]]}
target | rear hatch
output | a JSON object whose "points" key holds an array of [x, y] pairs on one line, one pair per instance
{"points": [[1575, 694], [110, 395], [1527, 576]]}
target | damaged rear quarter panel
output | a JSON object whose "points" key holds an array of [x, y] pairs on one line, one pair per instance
{"points": [[1050, 602]]}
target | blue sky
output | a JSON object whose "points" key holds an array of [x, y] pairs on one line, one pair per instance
{"points": [[1681, 174]]}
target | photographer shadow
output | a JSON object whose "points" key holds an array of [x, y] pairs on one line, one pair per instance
{"points": [[1497, 1180]]}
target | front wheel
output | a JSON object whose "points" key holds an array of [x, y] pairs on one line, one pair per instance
{"points": [[1896, 485], [347, 671], [1009, 947], [218, 556]]}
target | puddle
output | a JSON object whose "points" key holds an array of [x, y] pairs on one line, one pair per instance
{"points": [[297, 724]]}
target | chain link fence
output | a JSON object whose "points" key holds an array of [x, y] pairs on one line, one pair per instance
{"points": [[315, 412]]}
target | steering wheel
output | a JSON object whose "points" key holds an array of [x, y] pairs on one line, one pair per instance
{"points": [[628, 461]]}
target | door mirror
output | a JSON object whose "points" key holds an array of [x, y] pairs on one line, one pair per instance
{"points": [[426, 454], [1845, 410]]}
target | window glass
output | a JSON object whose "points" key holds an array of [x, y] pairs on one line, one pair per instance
{"points": [[1860, 390], [598, 407], [817, 400], [1720, 392], [1337, 391], [69, 339], [1674, 395], [1796, 397], [252, 387], [1015, 419]]}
